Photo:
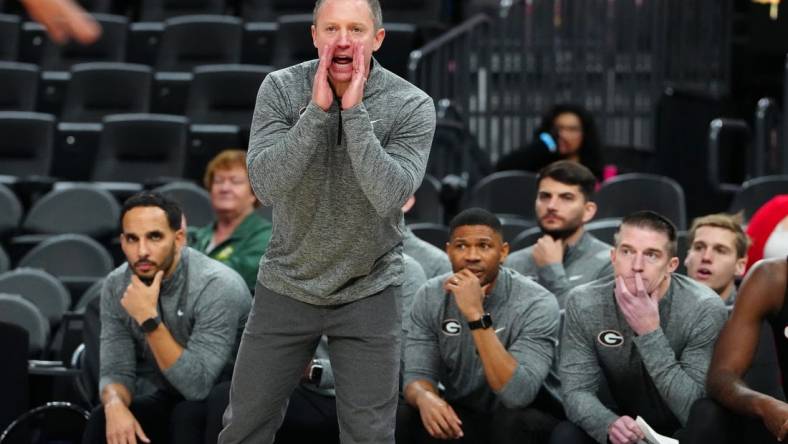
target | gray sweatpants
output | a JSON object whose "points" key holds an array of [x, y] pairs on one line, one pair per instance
{"points": [[280, 339]]}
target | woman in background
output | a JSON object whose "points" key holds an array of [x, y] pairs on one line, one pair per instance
{"points": [[566, 132]]}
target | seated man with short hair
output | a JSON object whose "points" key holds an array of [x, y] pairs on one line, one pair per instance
{"points": [[489, 336], [565, 256], [171, 321], [717, 253], [648, 332]]}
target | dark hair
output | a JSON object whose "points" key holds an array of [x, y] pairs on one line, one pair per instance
{"points": [[475, 216], [651, 220], [152, 199], [570, 173], [591, 149]]}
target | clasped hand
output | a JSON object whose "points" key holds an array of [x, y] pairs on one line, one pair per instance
{"points": [[640, 310]]}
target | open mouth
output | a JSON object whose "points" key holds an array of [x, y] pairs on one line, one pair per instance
{"points": [[342, 60], [704, 273]]}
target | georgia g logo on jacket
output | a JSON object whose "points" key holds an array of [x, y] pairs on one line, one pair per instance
{"points": [[451, 327], [610, 338]]}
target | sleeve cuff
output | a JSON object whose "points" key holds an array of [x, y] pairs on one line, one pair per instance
{"points": [[551, 273], [517, 392], [653, 348]]}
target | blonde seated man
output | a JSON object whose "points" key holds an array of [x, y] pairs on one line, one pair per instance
{"points": [[718, 253]]}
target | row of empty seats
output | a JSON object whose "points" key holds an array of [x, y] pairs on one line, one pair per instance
{"points": [[181, 43], [154, 10]]}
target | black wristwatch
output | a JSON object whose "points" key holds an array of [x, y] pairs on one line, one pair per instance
{"points": [[484, 322], [151, 324]]}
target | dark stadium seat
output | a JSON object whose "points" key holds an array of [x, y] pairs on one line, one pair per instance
{"points": [[505, 193], [604, 229], [93, 292], [420, 12], [53, 422], [80, 208], [27, 143], [158, 10], [18, 311], [756, 192], [225, 94], [99, 89], [512, 227], [436, 234], [427, 207], [5, 261], [75, 259], [110, 47], [259, 40], [394, 54], [11, 216], [627, 193], [682, 248], [293, 40], [13, 373], [271, 9], [9, 36], [194, 40], [141, 147], [194, 200], [18, 86], [525, 239], [40, 288]]}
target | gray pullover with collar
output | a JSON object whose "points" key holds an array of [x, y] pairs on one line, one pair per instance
{"points": [[586, 261], [657, 376], [337, 181], [439, 346], [204, 305]]}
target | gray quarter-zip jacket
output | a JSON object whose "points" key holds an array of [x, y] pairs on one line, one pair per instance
{"points": [[439, 346], [337, 181], [586, 261], [204, 305], [657, 376]]}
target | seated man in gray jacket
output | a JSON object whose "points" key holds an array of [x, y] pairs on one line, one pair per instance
{"points": [[171, 321], [648, 332], [486, 334], [565, 256]]}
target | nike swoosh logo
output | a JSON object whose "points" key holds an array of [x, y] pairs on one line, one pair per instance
{"points": [[374, 122], [576, 277], [498, 330]]}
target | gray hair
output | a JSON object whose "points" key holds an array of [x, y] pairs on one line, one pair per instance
{"points": [[374, 8]]}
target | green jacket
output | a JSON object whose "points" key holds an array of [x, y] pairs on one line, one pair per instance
{"points": [[242, 250]]}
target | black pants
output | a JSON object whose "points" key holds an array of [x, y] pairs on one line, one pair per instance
{"points": [[708, 422], [530, 425], [153, 412], [166, 418], [711, 422]]}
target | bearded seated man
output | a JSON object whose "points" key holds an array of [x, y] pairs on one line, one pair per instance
{"points": [[565, 256]]}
